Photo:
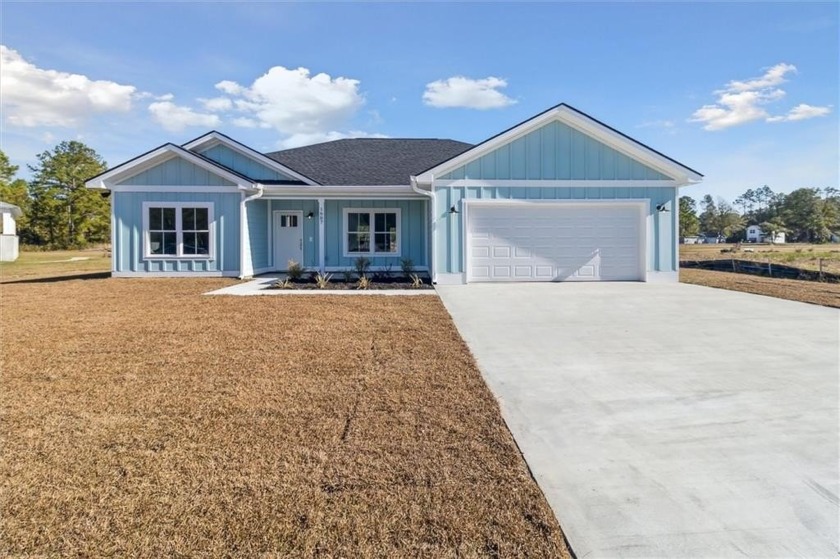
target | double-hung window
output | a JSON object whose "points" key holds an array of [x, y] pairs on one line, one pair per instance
{"points": [[174, 230], [372, 232]]}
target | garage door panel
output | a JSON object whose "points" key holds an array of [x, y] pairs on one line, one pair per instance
{"points": [[554, 243]]}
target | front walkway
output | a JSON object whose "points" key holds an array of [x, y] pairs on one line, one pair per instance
{"points": [[667, 420]]}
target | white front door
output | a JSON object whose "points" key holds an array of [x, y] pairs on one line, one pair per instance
{"points": [[288, 238]]}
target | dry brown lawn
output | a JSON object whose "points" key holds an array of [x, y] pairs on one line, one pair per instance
{"points": [[140, 418], [818, 293], [800, 255], [56, 263]]}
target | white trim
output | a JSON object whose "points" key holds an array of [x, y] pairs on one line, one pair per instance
{"points": [[322, 256], [443, 183], [642, 204], [299, 213], [371, 254], [179, 231], [227, 274], [164, 153], [338, 269], [583, 124], [663, 277], [175, 188], [451, 279], [114, 246], [212, 139]]}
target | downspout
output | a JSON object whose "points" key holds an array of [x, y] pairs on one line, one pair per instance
{"points": [[432, 222], [243, 228]]}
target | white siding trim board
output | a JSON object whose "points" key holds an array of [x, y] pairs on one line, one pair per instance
{"points": [[513, 183]]}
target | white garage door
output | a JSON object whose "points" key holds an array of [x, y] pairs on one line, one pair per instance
{"points": [[554, 242]]}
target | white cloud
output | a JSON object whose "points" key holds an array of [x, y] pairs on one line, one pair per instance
{"points": [[217, 104], [459, 91], [175, 117], [298, 140], [741, 102], [32, 96], [802, 111], [295, 103]]}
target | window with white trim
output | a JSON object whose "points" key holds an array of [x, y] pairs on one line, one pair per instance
{"points": [[174, 230], [372, 232]]}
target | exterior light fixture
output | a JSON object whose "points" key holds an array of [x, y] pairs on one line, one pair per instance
{"points": [[453, 210], [309, 215], [662, 207]]}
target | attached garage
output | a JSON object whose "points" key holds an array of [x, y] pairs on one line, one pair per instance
{"points": [[555, 241]]}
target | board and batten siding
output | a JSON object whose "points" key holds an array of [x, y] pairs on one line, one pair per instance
{"points": [[243, 164], [661, 226], [413, 232], [555, 151], [310, 230], [127, 249], [176, 171]]}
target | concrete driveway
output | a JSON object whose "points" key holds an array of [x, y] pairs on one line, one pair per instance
{"points": [[667, 420]]}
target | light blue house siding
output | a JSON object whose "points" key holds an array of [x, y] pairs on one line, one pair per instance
{"points": [[127, 249], [261, 234], [242, 164], [449, 232], [555, 151], [176, 171]]}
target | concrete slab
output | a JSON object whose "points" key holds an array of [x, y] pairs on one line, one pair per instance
{"points": [[667, 420], [259, 286]]}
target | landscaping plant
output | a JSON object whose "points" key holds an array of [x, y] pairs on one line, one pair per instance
{"points": [[294, 271], [364, 283], [416, 281], [362, 266], [323, 280], [407, 265]]}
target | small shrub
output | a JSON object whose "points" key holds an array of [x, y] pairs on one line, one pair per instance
{"points": [[348, 275], [294, 271], [284, 283], [416, 281], [407, 265], [323, 281], [362, 265], [364, 283]]}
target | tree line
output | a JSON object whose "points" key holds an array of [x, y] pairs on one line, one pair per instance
{"points": [[806, 215], [58, 211]]}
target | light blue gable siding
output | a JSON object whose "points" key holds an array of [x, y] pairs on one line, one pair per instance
{"points": [[176, 171], [555, 151], [243, 165], [661, 226], [127, 250], [413, 232]]}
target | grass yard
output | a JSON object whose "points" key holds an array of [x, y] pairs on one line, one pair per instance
{"points": [[56, 263], [804, 256], [818, 293], [140, 418]]}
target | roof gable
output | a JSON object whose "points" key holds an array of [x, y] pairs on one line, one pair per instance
{"points": [[561, 143], [237, 156], [176, 171]]}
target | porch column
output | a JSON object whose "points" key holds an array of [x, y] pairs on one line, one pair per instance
{"points": [[321, 240]]}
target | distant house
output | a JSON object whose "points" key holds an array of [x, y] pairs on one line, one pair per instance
{"points": [[8, 234], [710, 239], [756, 235], [692, 240]]}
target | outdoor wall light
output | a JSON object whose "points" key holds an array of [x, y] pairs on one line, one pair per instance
{"points": [[309, 215], [662, 207], [453, 210]]}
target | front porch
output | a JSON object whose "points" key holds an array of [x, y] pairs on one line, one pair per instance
{"points": [[329, 234]]}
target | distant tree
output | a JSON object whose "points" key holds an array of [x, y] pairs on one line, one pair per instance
{"points": [[719, 218], [63, 212], [810, 217], [707, 216], [689, 222], [14, 191], [772, 228]]}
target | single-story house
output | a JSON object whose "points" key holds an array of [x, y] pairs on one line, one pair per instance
{"points": [[756, 235], [8, 234], [561, 196]]}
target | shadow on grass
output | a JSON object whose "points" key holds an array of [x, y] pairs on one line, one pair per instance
{"points": [[56, 279]]}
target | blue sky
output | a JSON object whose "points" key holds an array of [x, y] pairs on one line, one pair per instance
{"points": [[745, 93]]}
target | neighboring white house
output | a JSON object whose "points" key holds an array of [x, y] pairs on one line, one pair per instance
{"points": [[8, 235], [756, 235]]}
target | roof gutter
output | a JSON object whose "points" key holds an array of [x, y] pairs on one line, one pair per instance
{"points": [[246, 268], [432, 205]]}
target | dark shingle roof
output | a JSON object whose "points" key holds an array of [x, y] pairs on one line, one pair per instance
{"points": [[368, 161]]}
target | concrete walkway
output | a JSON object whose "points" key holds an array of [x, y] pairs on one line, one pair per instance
{"points": [[667, 420]]}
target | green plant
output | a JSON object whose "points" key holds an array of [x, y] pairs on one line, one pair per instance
{"points": [[407, 265], [348, 275], [416, 281], [362, 265], [364, 283], [323, 281], [294, 271], [283, 283]]}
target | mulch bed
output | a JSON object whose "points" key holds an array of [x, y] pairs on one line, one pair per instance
{"points": [[141, 418], [378, 282]]}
